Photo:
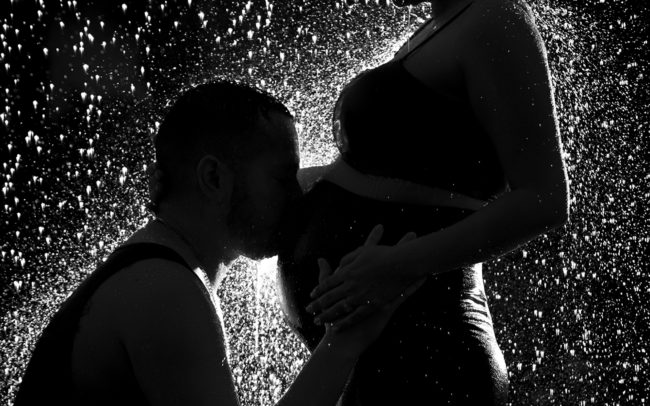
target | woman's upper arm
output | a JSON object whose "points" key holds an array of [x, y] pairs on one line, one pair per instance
{"points": [[174, 338], [510, 90]]}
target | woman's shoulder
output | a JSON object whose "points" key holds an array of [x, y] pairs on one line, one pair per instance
{"points": [[500, 26], [503, 6], [499, 17]]}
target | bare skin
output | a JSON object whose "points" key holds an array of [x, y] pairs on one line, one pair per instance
{"points": [[492, 55]]}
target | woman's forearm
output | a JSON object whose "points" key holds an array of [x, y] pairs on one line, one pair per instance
{"points": [[513, 219], [323, 378]]}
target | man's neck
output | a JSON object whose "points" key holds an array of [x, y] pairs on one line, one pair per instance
{"points": [[206, 247]]}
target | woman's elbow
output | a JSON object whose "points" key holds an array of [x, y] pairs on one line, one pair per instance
{"points": [[555, 208], [560, 216]]}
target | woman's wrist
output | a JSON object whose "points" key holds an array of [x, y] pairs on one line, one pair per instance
{"points": [[341, 346]]}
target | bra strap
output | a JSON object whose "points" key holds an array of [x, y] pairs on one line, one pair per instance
{"points": [[435, 31]]}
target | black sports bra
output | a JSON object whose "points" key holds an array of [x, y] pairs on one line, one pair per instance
{"points": [[387, 123]]}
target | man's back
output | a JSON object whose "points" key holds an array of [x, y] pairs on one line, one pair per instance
{"points": [[148, 336], [101, 366]]}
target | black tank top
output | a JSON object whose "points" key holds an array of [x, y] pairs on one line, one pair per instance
{"points": [[48, 378], [387, 123]]}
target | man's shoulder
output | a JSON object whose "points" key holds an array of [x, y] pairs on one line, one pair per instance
{"points": [[169, 330], [143, 292], [149, 275]]}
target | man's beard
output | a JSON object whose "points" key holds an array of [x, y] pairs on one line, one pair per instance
{"points": [[243, 228]]}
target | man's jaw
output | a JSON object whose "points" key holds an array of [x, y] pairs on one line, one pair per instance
{"points": [[252, 245]]}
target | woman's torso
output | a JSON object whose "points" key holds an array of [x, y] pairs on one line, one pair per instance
{"points": [[440, 344], [412, 119]]}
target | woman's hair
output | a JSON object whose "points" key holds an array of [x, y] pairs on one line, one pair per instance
{"points": [[220, 118]]}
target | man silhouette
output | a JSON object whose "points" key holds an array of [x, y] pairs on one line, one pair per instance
{"points": [[145, 327]]}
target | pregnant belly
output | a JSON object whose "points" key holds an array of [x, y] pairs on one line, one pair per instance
{"points": [[333, 222], [439, 345]]}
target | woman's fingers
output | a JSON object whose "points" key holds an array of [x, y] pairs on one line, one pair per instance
{"points": [[375, 235], [324, 270], [373, 239], [328, 290], [335, 312], [410, 236], [327, 300], [334, 303], [351, 256], [326, 284]]}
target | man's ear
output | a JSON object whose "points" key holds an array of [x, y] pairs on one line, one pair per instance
{"points": [[215, 179]]}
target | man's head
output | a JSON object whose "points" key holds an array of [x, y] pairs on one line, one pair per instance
{"points": [[227, 157]]}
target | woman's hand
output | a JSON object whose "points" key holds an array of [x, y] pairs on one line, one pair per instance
{"points": [[367, 282], [364, 324], [325, 375]]}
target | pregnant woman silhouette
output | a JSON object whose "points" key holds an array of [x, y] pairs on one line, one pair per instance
{"points": [[455, 139]]}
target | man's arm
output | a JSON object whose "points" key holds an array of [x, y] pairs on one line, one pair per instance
{"points": [[176, 344], [173, 337], [177, 348]]}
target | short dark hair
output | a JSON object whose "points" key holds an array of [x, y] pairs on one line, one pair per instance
{"points": [[220, 118]]}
